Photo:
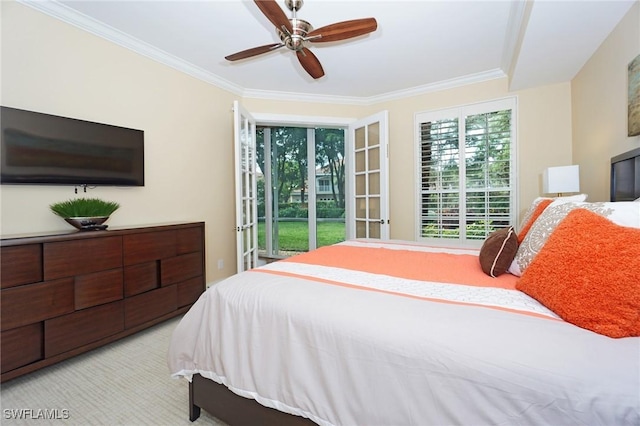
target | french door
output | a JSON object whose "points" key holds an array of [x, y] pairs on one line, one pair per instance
{"points": [[369, 184], [367, 205], [246, 188]]}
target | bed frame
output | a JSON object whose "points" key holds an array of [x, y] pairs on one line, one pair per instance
{"points": [[234, 409]]}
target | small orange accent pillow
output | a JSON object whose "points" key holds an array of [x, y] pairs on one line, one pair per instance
{"points": [[498, 251], [588, 272], [543, 204]]}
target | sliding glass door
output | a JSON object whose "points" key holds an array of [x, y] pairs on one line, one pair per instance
{"points": [[301, 189]]}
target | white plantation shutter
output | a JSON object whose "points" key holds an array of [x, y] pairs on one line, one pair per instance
{"points": [[440, 177], [466, 171]]}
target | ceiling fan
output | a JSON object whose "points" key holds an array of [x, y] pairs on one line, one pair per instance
{"points": [[296, 33]]}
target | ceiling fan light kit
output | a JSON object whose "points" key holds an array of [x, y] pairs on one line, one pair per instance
{"points": [[296, 33]]}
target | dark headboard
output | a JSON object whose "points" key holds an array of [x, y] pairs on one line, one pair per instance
{"points": [[625, 176]]}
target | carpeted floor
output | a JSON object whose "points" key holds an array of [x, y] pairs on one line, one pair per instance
{"points": [[124, 383]]}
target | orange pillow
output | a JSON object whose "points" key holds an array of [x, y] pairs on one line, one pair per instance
{"points": [[543, 204], [588, 272]]}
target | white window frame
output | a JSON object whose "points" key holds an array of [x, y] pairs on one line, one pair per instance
{"points": [[461, 112]]}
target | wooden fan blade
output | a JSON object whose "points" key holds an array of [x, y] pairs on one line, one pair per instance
{"points": [[343, 30], [274, 13], [310, 63], [253, 51]]}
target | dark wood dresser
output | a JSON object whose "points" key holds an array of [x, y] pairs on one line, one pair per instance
{"points": [[67, 293]]}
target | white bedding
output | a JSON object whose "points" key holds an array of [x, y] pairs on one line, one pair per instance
{"points": [[328, 349]]}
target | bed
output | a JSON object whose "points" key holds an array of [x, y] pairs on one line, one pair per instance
{"points": [[370, 332]]}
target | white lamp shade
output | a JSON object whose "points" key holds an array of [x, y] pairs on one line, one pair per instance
{"points": [[556, 180]]}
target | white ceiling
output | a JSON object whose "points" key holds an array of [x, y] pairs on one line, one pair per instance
{"points": [[420, 45]]}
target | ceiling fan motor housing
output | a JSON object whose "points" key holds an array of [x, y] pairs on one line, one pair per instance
{"points": [[295, 40]]}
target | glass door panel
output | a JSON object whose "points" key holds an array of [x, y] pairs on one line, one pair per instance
{"points": [[360, 161], [374, 158], [374, 183], [374, 208], [329, 174], [361, 185], [359, 139], [373, 133], [374, 230], [289, 193]]}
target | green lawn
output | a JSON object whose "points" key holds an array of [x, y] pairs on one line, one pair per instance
{"points": [[294, 236]]}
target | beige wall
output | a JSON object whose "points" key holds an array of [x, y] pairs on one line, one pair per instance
{"points": [[543, 133], [53, 67], [543, 126], [599, 103]]}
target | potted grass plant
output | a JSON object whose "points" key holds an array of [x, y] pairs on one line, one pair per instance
{"points": [[85, 213]]}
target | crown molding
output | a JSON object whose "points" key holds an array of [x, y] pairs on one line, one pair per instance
{"points": [[372, 100], [71, 16], [439, 86], [303, 97]]}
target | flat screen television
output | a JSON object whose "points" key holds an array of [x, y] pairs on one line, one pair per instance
{"points": [[625, 176], [45, 149]]}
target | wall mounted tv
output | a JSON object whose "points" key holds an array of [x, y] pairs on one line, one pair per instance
{"points": [[46, 149]]}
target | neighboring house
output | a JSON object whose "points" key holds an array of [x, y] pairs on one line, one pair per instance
{"points": [[323, 188]]}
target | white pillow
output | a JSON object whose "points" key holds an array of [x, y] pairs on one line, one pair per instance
{"points": [[569, 198], [624, 213], [556, 200]]}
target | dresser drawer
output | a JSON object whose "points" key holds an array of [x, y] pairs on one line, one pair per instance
{"points": [[147, 246], [189, 240], [71, 258], [150, 305], [36, 302], [98, 288], [20, 265], [180, 268], [189, 291], [141, 278], [82, 327], [21, 346]]}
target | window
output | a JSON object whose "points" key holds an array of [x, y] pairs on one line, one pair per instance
{"points": [[466, 171], [324, 185]]}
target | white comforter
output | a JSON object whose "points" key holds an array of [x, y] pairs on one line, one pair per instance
{"points": [[343, 355]]}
